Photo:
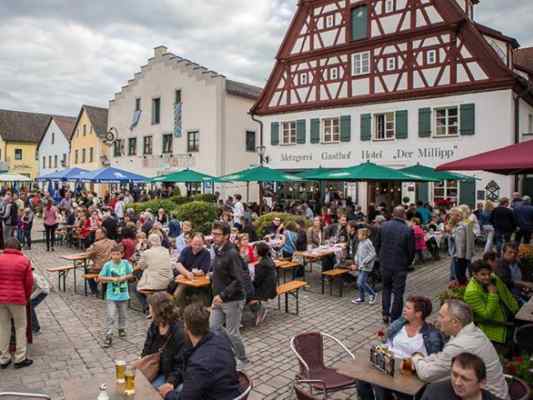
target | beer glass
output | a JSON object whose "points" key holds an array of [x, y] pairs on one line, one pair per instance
{"points": [[120, 369], [406, 366], [130, 381]]}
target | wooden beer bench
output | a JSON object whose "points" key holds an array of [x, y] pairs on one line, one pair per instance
{"points": [[62, 273], [284, 266], [290, 288], [333, 275]]}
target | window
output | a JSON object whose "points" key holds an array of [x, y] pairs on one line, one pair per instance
{"points": [[83, 155], [304, 78], [116, 148], [18, 154], [193, 141], [330, 130], [44, 162], [360, 22], [132, 146], [289, 133], [385, 126], [361, 63], [53, 137], [445, 190], [329, 20], [64, 161], [250, 141], [431, 57], [167, 143], [138, 104], [156, 111], [76, 156], [49, 161], [84, 130], [147, 145], [446, 121], [177, 100], [391, 63], [91, 154], [390, 6], [334, 73], [55, 161]]}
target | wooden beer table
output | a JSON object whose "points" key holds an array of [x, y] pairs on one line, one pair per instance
{"points": [[79, 260], [88, 389], [361, 369], [284, 267], [526, 312], [197, 282]]}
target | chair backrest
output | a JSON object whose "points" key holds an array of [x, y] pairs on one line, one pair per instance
{"points": [[518, 389], [303, 395], [246, 386], [309, 348]]}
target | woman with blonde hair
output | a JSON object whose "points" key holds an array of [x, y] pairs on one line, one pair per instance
{"points": [[486, 226], [458, 244]]}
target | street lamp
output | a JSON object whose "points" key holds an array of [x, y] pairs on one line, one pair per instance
{"points": [[261, 150]]}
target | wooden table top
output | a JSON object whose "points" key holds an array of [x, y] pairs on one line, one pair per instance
{"points": [[361, 369], [197, 282], [526, 312], [320, 252], [88, 389], [75, 257]]}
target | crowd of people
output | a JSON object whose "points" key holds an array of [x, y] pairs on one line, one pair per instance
{"points": [[145, 252]]}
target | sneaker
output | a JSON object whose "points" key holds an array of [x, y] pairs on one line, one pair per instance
{"points": [[261, 315], [108, 341], [26, 363], [372, 300], [358, 300], [122, 332], [7, 364]]}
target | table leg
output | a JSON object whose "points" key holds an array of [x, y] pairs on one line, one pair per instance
{"points": [[323, 282], [341, 287], [287, 303], [331, 284], [297, 295]]}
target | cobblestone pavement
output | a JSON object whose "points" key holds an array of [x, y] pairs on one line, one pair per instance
{"points": [[70, 345]]}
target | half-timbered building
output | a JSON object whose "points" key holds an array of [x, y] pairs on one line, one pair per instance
{"points": [[396, 82]]}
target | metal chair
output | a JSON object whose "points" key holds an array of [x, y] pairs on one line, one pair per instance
{"points": [[522, 338], [21, 395], [246, 386], [309, 350], [518, 389], [303, 395]]}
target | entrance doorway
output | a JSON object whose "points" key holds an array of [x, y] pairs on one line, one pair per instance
{"points": [[386, 193]]}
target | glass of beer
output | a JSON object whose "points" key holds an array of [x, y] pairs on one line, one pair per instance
{"points": [[120, 369], [130, 381], [406, 366]]}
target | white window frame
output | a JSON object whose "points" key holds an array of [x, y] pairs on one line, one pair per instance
{"points": [[386, 127], [303, 78], [389, 6], [330, 131], [288, 127], [359, 62], [333, 73], [329, 21], [446, 187], [391, 63], [431, 57], [447, 124]]}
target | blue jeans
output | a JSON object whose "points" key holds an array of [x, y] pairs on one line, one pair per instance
{"points": [[35, 327], [363, 286]]}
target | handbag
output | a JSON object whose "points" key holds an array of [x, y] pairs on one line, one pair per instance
{"points": [[150, 364]]}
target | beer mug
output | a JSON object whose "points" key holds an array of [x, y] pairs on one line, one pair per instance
{"points": [[130, 381], [406, 366], [120, 369]]}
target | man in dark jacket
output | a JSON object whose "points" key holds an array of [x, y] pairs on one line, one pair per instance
{"points": [[228, 289], [209, 365], [504, 223], [524, 218], [396, 251]]}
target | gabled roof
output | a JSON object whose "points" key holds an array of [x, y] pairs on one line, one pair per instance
{"points": [[497, 34], [98, 118], [65, 124], [21, 126], [242, 89]]}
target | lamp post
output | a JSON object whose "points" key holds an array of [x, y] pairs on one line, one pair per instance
{"points": [[261, 150]]}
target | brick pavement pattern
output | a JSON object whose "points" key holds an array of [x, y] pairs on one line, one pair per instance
{"points": [[72, 326]]}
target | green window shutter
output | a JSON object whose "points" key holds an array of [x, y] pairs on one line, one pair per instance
{"points": [[346, 128], [467, 192], [360, 23], [468, 119], [300, 131], [422, 192], [315, 130], [424, 122], [366, 127], [274, 133], [401, 124]]}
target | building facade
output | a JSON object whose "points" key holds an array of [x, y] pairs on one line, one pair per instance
{"points": [[395, 82], [176, 114], [54, 146], [20, 134]]}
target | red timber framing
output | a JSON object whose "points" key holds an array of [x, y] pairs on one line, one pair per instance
{"points": [[416, 48]]}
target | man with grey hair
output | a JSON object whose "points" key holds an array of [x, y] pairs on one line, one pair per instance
{"points": [[456, 321], [395, 246], [524, 218]]}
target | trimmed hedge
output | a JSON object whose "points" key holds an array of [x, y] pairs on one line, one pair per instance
{"points": [[167, 204], [265, 220], [200, 213], [207, 197]]}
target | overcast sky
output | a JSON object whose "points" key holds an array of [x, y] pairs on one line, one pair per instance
{"points": [[58, 54]]}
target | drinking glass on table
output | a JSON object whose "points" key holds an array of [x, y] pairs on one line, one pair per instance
{"points": [[130, 381], [120, 370]]}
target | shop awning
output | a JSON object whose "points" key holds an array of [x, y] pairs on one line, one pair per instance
{"points": [[62, 175], [109, 175], [372, 172], [260, 174], [430, 173], [183, 176], [510, 160]]}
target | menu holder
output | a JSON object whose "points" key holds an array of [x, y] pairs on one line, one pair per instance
{"points": [[382, 359]]}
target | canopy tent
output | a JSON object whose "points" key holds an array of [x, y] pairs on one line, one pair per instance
{"points": [[109, 175], [314, 174], [183, 176], [430, 173], [260, 174], [14, 178], [510, 160], [62, 175], [372, 172]]}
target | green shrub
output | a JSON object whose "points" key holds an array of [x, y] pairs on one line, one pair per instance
{"points": [[154, 205], [200, 213], [207, 197], [179, 200], [265, 221]]}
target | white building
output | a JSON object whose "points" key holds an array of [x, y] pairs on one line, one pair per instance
{"points": [[397, 83], [54, 146], [176, 114]]}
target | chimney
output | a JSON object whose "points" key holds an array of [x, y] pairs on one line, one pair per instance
{"points": [[159, 51]]}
